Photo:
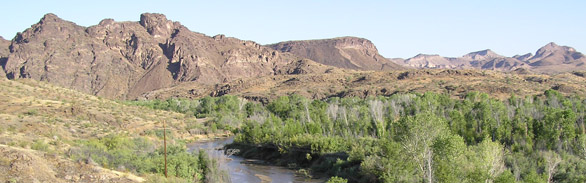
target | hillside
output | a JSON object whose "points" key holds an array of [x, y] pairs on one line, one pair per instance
{"points": [[343, 52], [555, 58], [42, 127], [363, 84]]}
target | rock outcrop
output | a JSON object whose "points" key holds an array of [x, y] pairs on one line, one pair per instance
{"points": [[344, 52], [4, 44], [125, 59], [4, 52]]}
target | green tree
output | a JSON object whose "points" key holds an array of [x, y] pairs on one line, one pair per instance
{"points": [[417, 135]]}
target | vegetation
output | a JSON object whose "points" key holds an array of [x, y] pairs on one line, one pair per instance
{"points": [[409, 137], [51, 126], [227, 112], [400, 138], [139, 155]]}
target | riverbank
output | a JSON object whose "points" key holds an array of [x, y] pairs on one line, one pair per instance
{"points": [[302, 160], [249, 169]]}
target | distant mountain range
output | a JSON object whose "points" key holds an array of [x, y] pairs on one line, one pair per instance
{"points": [[127, 60], [550, 58]]}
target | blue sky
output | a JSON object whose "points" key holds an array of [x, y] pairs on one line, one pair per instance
{"points": [[397, 28]]}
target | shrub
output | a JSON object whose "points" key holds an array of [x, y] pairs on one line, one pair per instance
{"points": [[336, 179], [40, 145]]}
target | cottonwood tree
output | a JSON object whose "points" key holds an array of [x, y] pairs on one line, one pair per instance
{"points": [[552, 160], [449, 157], [376, 112], [417, 134], [488, 158], [582, 144]]}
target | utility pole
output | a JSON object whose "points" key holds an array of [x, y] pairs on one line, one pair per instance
{"points": [[165, 146]]}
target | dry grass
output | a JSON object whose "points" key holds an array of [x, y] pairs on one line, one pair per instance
{"points": [[363, 84], [37, 115]]}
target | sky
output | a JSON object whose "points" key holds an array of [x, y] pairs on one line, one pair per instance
{"points": [[399, 29]]}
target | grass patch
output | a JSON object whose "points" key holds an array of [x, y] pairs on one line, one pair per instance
{"points": [[40, 145]]}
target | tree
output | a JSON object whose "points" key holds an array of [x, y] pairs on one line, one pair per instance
{"points": [[552, 160], [417, 134], [488, 159], [376, 112], [449, 158]]}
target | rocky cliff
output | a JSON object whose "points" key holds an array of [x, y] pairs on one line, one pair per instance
{"points": [[125, 59], [344, 52], [4, 52]]}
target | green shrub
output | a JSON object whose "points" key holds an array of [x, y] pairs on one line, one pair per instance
{"points": [[140, 155], [335, 179], [40, 145]]}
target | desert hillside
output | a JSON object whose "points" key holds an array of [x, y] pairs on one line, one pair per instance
{"points": [[42, 128]]}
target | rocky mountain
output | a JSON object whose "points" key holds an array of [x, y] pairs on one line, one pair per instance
{"points": [[4, 44], [523, 58], [343, 52], [482, 55], [489, 60], [432, 61], [551, 58], [4, 52], [125, 59], [128, 60]]}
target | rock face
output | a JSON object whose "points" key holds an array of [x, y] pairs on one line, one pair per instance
{"points": [[549, 59], [344, 52], [4, 52], [4, 44], [125, 59]]}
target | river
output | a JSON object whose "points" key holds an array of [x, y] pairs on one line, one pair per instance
{"points": [[248, 170]]}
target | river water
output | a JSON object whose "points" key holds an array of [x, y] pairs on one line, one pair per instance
{"points": [[248, 170]]}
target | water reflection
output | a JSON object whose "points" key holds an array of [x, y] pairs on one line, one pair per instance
{"points": [[247, 170]]}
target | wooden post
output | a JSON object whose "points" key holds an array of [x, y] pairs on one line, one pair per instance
{"points": [[165, 146]]}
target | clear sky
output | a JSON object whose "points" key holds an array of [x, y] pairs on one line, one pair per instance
{"points": [[397, 28]]}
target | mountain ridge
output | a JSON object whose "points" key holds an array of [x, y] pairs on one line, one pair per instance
{"points": [[125, 59], [343, 52], [131, 59], [550, 58]]}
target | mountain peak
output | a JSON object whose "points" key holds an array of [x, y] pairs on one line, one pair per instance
{"points": [[482, 54], [524, 57], [550, 48], [344, 52], [551, 44], [152, 17], [157, 24], [50, 17], [485, 52], [421, 55]]}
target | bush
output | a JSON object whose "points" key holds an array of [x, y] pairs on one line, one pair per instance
{"points": [[40, 145], [139, 155], [335, 179]]}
